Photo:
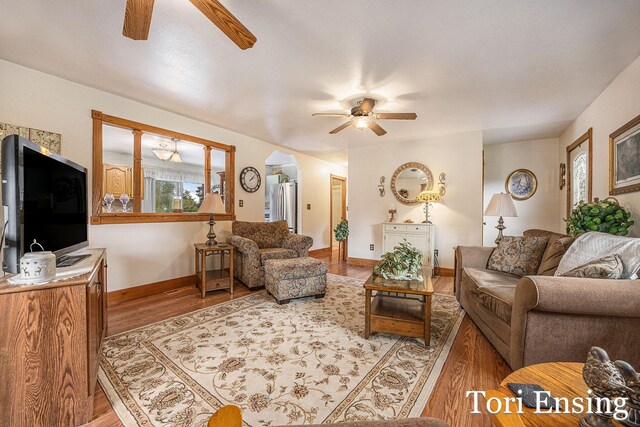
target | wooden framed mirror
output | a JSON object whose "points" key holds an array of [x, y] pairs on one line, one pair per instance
{"points": [[579, 171], [142, 173], [409, 180]]}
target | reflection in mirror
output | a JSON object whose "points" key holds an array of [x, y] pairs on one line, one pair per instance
{"points": [[409, 180], [117, 169], [172, 174]]}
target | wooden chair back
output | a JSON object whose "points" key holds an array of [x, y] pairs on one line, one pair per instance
{"points": [[227, 416]]}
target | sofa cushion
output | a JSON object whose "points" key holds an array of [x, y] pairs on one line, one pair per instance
{"points": [[495, 290], [275, 253], [518, 255], [498, 299], [553, 254], [265, 234], [595, 245], [557, 245], [609, 267]]}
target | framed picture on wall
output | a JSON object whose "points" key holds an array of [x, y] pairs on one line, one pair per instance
{"points": [[521, 184], [579, 170], [624, 158]]}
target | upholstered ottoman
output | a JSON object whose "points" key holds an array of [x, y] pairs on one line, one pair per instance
{"points": [[286, 279]]}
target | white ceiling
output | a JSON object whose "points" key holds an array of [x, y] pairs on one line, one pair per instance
{"points": [[517, 69]]}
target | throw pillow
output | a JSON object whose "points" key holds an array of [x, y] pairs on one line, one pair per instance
{"points": [[553, 255], [519, 256], [609, 267], [596, 245]]}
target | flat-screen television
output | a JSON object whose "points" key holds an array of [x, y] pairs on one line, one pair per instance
{"points": [[45, 199]]}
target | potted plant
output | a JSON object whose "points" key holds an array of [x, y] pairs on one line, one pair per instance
{"points": [[341, 231], [404, 263], [606, 216]]}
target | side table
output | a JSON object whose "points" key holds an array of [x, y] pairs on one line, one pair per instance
{"points": [[220, 278], [562, 379]]}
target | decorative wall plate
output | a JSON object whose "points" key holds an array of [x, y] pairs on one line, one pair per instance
{"points": [[521, 184]]}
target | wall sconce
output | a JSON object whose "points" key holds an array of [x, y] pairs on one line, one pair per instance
{"points": [[563, 175], [441, 186], [381, 186]]}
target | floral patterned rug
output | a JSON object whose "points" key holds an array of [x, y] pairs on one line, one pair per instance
{"points": [[301, 363]]}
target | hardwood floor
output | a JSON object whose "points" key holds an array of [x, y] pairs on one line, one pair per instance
{"points": [[473, 364]]}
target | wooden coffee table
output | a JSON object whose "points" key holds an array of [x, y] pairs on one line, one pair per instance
{"points": [[401, 307]]}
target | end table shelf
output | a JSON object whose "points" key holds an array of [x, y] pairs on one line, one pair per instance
{"points": [[217, 278]]}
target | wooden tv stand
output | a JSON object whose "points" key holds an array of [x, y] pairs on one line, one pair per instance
{"points": [[50, 343]]}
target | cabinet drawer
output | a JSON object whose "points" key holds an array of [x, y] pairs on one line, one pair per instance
{"points": [[414, 228], [395, 227]]}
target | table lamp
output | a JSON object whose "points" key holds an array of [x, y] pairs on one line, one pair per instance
{"points": [[212, 204], [428, 197], [501, 204]]}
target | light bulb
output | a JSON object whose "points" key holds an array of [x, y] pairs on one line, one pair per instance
{"points": [[362, 122]]}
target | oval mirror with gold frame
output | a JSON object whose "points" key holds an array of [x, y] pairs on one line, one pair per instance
{"points": [[409, 180]]}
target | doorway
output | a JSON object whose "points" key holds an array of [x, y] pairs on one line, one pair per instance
{"points": [[282, 189], [338, 207]]}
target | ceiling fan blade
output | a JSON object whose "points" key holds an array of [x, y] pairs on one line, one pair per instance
{"points": [[367, 105], [396, 116], [137, 19], [228, 24], [339, 128], [377, 129], [331, 114]]}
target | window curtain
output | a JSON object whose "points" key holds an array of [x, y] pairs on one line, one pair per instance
{"points": [[161, 174], [149, 201]]}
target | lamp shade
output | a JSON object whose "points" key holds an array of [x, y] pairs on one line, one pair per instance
{"points": [[501, 204], [428, 196], [212, 204]]}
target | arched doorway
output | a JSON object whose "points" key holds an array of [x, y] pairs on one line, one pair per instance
{"points": [[282, 190]]}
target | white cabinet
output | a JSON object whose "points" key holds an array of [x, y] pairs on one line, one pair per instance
{"points": [[420, 236]]}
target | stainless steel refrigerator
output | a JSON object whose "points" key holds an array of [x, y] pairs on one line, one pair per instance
{"points": [[284, 204]]}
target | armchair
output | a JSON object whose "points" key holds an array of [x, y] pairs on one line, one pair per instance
{"points": [[257, 242]]}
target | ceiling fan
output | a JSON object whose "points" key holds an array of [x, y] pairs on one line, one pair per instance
{"points": [[137, 20], [363, 117]]}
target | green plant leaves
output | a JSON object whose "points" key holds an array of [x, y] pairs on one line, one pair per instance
{"points": [[342, 230], [405, 259], [605, 216]]}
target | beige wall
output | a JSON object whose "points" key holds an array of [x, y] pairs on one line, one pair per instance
{"points": [[618, 103], [458, 218], [145, 253], [542, 209]]}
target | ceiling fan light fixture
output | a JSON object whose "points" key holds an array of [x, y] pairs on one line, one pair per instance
{"points": [[162, 153], [362, 122]]}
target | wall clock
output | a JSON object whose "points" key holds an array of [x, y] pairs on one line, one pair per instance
{"points": [[250, 179]]}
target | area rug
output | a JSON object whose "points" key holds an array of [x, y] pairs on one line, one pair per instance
{"points": [[301, 363]]}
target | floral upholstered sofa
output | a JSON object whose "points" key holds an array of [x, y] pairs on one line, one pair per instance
{"points": [[257, 242]]}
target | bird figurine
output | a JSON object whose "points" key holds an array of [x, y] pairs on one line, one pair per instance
{"points": [[604, 379], [632, 379]]}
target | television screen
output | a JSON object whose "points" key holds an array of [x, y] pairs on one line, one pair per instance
{"points": [[55, 205], [44, 197]]}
